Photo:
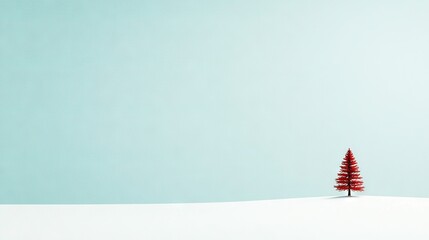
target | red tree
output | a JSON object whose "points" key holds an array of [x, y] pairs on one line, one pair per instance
{"points": [[349, 178]]}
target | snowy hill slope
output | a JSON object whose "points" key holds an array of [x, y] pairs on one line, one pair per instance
{"points": [[307, 218]]}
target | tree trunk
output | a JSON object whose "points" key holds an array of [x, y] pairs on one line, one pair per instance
{"points": [[349, 178]]}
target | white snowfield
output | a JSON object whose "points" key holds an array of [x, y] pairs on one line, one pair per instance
{"points": [[306, 218]]}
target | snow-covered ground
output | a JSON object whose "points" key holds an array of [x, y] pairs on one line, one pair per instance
{"points": [[306, 218]]}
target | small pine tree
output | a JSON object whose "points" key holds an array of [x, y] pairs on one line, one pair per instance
{"points": [[349, 178]]}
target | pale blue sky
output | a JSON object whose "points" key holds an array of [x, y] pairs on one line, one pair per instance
{"points": [[189, 101]]}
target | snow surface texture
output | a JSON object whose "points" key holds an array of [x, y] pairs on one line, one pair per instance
{"points": [[307, 218]]}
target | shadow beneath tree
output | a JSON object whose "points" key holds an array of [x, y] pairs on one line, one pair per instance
{"points": [[342, 197]]}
